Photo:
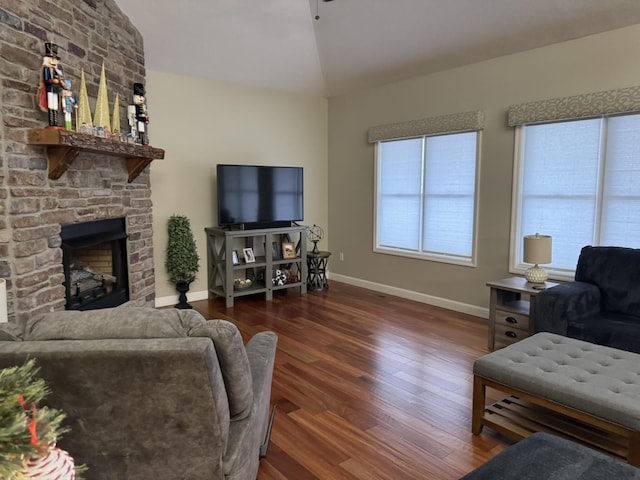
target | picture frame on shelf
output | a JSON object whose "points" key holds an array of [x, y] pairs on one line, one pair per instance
{"points": [[249, 257], [275, 251], [288, 250], [234, 257]]}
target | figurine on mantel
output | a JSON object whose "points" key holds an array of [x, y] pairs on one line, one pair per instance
{"points": [[101, 122], [83, 118], [132, 136], [115, 119], [50, 85], [142, 118], [69, 105]]}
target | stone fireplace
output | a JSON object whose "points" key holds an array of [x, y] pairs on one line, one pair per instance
{"points": [[33, 206]]}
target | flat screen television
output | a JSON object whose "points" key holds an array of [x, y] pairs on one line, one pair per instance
{"points": [[258, 196]]}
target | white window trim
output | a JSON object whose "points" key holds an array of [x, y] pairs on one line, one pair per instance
{"points": [[434, 257]]}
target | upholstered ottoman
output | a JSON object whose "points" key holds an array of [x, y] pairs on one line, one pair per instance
{"points": [[565, 386], [547, 457]]}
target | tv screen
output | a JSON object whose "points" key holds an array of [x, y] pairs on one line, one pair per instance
{"points": [[258, 196]]}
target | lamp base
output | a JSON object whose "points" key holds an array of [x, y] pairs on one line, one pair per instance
{"points": [[536, 275]]}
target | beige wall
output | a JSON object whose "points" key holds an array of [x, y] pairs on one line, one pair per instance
{"points": [[201, 123], [596, 63]]}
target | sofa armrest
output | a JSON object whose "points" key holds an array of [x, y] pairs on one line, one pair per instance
{"points": [[261, 350], [248, 435], [557, 307]]}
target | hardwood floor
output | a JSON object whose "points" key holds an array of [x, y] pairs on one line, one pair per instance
{"points": [[367, 385]]}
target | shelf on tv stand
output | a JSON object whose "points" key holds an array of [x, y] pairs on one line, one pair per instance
{"points": [[221, 242]]}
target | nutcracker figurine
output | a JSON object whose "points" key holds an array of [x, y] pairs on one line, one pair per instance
{"points": [[50, 86], [142, 118], [132, 137], [69, 104]]}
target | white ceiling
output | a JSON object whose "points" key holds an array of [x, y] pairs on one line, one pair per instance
{"points": [[355, 44]]}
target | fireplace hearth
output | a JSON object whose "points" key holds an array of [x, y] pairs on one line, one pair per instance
{"points": [[95, 264]]}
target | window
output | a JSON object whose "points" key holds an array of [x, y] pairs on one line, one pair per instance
{"points": [[425, 200], [577, 181]]}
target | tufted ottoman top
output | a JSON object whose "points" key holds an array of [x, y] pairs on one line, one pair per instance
{"points": [[601, 381]]}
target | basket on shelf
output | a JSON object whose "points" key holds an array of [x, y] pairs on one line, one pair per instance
{"points": [[242, 283]]}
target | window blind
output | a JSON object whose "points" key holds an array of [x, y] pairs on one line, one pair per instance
{"points": [[577, 181], [426, 194]]}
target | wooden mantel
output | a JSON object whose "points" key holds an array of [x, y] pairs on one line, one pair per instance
{"points": [[64, 146]]}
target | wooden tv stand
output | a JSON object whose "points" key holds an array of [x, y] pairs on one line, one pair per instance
{"points": [[221, 270]]}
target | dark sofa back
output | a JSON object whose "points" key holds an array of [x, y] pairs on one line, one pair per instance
{"points": [[616, 272]]}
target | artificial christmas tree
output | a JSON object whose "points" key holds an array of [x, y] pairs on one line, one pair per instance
{"points": [[28, 432]]}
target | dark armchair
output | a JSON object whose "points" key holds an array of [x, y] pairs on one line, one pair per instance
{"points": [[602, 305]]}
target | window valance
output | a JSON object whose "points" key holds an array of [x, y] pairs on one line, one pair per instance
{"points": [[610, 102], [454, 123]]}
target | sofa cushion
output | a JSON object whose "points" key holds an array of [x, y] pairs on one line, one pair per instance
{"points": [[616, 272], [142, 322], [611, 329]]}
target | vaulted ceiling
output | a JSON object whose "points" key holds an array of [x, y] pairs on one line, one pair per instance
{"points": [[355, 44]]}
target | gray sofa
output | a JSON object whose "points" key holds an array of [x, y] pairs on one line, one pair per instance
{"points": [[543, 456], [149, 393], [602, 305]]}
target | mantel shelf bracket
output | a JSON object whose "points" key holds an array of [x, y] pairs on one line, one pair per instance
{"points": [[63, 147]]}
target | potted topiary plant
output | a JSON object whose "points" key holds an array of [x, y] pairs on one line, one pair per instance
{"points": [[182, 257]]}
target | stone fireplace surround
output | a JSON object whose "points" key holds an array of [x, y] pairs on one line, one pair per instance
{"points": [[32, 206]]}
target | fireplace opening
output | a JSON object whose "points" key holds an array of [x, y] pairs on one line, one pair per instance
{"points": [[95, 264]]}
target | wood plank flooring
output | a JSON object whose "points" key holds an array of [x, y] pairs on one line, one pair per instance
{"points": [[367, 386]]}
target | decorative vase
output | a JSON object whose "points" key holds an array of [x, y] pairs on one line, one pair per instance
{"points": [[56, 464], [182, 288]]}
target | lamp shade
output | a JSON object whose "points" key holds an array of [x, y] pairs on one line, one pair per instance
{"points": [[537, 249]]}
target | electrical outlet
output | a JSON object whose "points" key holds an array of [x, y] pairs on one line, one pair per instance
{"points": [[341, 257]]}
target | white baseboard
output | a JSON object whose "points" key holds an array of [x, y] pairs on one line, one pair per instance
{"points": [[173, 299], [411, 295], [377, 287]]}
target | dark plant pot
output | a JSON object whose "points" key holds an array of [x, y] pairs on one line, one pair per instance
{"points": [[182, 288]]}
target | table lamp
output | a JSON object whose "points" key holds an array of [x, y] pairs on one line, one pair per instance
{"points": [[537, 250]]}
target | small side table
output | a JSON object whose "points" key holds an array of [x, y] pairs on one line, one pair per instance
{"points": [[511, 306], [317, 271]]}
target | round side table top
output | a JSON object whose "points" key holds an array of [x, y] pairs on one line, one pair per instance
{"points": [[319, 254]]}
